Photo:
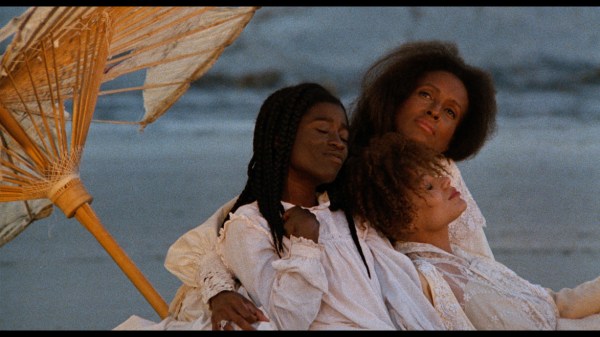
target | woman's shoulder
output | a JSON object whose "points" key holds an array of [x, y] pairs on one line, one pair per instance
{"points": [[248, 209], [250, 214]]}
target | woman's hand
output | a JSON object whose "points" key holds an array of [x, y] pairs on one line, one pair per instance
{"points": [[300, 222], [234, 308]]}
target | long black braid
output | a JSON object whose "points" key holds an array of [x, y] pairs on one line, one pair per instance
{"points": [[274, 136]]}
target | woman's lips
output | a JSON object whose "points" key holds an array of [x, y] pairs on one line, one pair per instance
{"points": [[336, 157], [425, 126]]}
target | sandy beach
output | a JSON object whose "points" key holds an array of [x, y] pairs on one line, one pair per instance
{"points": [[536, 190]]}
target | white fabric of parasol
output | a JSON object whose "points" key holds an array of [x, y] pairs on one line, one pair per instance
{"points": [[59, 59]]}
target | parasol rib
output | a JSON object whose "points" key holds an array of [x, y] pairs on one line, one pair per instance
{"points": [[59, 117], [45, 123], [16, 131]]}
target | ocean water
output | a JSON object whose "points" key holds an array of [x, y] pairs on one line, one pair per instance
{"points": [[535, 182], [545, 60]]}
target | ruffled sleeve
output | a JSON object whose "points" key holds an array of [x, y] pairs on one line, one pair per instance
{"points": [[193, 259], [290, 288]]}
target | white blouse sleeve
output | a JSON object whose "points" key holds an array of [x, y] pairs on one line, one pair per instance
{"points": [[467, 231], [193, 259], [290, 288], [578, 302]]}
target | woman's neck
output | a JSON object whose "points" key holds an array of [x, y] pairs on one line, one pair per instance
{"points": [[440, 239], [300, 194]]}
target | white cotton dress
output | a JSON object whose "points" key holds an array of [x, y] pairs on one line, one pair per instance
{"points": [[313, 286], [316, 286]]}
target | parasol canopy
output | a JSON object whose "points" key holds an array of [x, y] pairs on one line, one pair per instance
{"points": [[59, 62]]}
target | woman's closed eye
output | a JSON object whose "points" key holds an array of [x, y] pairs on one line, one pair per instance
{"points": [[343, 135]]}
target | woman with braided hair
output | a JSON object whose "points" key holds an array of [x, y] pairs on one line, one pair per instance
{"points": [[294, 252]]}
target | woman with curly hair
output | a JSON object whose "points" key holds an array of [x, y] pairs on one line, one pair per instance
{"points": [[401, 188], [427, 92]]}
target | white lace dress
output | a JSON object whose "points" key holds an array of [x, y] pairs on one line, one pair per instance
{"points": [[490, 295], [467, 230]]}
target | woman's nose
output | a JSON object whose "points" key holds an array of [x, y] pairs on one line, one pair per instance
{"points": [[433, 113], [434, 110], [336, 139]]}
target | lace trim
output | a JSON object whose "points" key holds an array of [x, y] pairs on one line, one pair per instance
{"points": [[301, 246], [214, 276], [497, 294], [444, 301], [467, 230]]}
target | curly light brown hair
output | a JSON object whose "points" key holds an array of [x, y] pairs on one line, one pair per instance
{"points": [[381, 178]]}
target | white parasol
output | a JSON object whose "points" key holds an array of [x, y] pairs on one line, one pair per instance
{"points": [[58, 60]]}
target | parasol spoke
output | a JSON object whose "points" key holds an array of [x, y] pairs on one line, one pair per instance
{"points": [[58, 116], [96, 61], [20, 136], [16, 159], [45, 139], [16, 175]]}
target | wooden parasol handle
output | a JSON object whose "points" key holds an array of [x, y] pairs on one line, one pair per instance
{"points": [[73, 199], [87, 217]]}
